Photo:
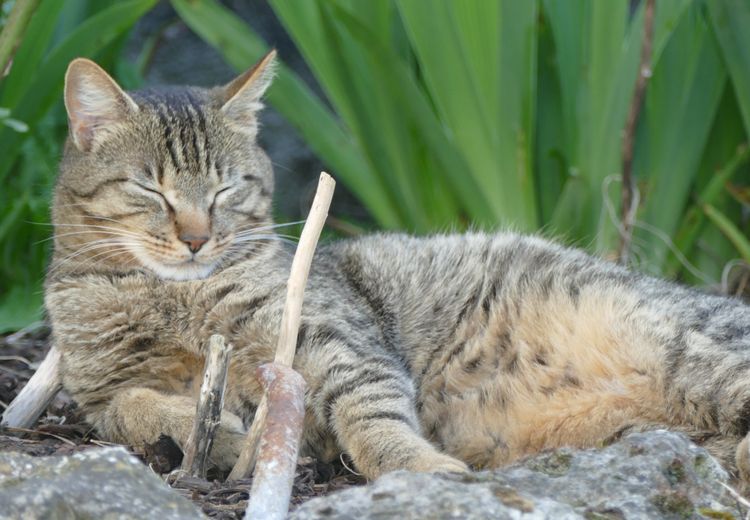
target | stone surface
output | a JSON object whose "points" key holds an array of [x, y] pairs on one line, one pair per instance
{"points": [[103, 483], [646, 475]]}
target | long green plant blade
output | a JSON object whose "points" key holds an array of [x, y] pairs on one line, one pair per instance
{"points": [[680, 106], [340, 68], [598, 50], [550, 166], [378, 124], [693, 219], [597, 54], [732, 232], [731, 20], [481, 75], [414, 108]]}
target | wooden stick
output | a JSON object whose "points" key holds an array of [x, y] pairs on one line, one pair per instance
{"points": [[290, 321], [279, 444], [295, 289], [36, 396], [208, 409]]}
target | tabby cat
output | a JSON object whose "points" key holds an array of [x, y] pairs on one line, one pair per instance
{"points": [[426, 354]]}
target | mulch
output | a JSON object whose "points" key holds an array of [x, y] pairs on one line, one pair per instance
{"points": [[63, 431]]}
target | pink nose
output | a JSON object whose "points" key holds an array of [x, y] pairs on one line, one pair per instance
{"points": [[194, 243]]}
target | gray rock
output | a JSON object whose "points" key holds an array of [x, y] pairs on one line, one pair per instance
{"points": [[103, 484], [646, 475]]}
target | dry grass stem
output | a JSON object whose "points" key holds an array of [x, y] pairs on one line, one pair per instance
{"points": [[628, 140]]}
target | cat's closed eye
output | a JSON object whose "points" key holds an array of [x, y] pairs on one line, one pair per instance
{"points": [[219, 197]]}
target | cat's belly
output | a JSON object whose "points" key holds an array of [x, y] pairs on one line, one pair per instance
{"points": [[556, 373]]}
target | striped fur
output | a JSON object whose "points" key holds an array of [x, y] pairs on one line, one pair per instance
{"points": [[428, 354]]}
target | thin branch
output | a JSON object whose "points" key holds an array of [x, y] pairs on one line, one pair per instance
{"points": [[208, 409], [279, 445], [13, 30], [290, 321], [628, 139], [38, 393]]}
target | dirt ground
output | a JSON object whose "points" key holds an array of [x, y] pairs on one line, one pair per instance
{"points": [[62, 431]]}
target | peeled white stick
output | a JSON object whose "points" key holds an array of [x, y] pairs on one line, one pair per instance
{"points": [[290, 320], [208, 409], [279, 444], [36, 396]]}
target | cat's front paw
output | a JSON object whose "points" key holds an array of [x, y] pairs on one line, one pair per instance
{"points": [[437, 462], [227, 447]]}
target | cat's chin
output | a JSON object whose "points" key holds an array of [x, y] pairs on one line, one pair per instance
{"points": [[177, 272], [186, 271]]}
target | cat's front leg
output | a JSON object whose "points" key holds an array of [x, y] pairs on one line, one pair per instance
{"points": [[368, 402], [140, 415]]}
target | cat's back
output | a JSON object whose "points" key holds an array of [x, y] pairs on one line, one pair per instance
{"points": [[433, 282]]}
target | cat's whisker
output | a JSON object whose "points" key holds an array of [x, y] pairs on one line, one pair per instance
{"points": [[109, 228], [271, 226], [242, 240], [99, 217], [105, 243], [96, 244], [110, 254], [68, 263], [293, 238], [74, 233]]}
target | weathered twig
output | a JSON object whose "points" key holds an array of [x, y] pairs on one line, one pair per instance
{"points": [[279, 444], [628, 139], [208, 409], [38, 393], [290, 321]]}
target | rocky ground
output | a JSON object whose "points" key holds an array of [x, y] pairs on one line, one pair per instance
{"points": [[59, 468]]}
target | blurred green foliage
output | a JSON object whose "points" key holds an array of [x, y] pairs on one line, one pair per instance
{"points": [[446, 115]]}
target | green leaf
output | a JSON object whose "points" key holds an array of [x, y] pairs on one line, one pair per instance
{"points": [[731, 19], [551, 167], [681, 102], [481, 75], [598, 48], [15, 124], [392, 78], [20, 306], [730, 230]]}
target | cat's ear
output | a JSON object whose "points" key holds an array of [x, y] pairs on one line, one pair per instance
{"points": [[95, 103], [242, 96]]}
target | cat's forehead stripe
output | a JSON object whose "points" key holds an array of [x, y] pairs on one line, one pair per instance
{"points": [[183, 122]]}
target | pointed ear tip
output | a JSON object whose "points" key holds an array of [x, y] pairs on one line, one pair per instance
{"points": [[269, 60], [82, 63], [81, 68]]}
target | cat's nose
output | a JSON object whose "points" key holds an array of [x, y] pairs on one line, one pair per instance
{"points": [[193, 242]]}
